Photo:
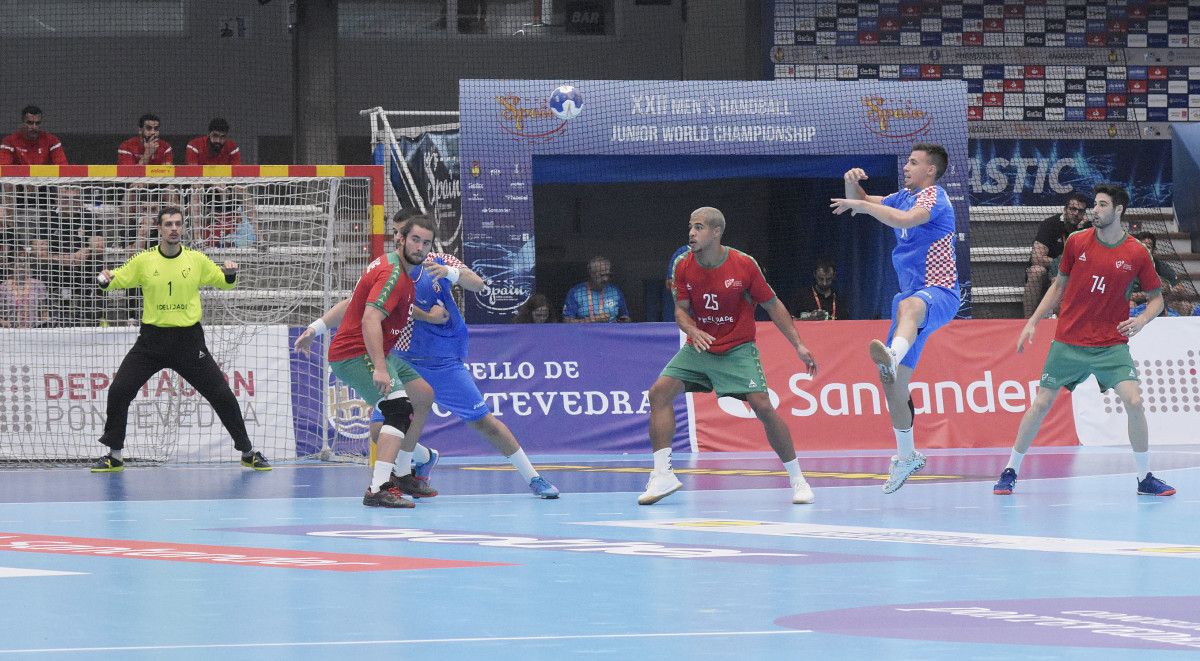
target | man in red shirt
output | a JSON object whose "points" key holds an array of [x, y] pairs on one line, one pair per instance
{"points": [[358, 355], [1095, 275], [716, 291], [30, 145], [146, 148], [215, 148]]}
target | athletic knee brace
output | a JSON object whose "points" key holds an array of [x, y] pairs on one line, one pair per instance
{"points": [[397, 416]]}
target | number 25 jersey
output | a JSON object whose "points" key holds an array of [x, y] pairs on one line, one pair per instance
{"points": [[723, 297], [1099, 280]]}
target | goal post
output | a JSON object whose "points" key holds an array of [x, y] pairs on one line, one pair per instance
{"points": [[301, 236]]}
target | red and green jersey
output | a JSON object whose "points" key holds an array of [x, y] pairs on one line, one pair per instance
{"points": [[1099, 280], [723, 297], [385, 286]]}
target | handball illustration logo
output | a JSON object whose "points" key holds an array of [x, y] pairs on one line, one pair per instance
{"points": [[566, 102], [896, 119], [518, 119], [508, 273]]}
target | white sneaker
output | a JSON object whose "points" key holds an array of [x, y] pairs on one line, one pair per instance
{"points": [[885, 360], [901, 469], [660, 486], [802, 494]]}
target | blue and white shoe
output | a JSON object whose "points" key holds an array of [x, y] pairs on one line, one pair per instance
{"points": [[1152, 486], [543, 489], [422, 471], [885, 359], [1006, 484], [901, 469]]}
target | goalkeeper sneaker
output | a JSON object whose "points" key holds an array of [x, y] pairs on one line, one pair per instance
{"points": [[1152, 486], [107, 464], [256, 460], [1006, 484], [542, 488], [885, 360], [901, 469], [423, 470], [802, 494], [417, 487], [389, 495], [660, 486]]}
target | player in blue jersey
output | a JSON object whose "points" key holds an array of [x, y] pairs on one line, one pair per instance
{"points": [[923, 219], [435, 344]]}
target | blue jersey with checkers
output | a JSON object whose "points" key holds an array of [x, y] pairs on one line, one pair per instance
{"points": [[924, 255], [448, 340]]}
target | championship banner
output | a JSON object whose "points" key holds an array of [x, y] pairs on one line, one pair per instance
{"points": [[507, 123], [65, 393], [561, 388], [1043, 172], [970, 389]]}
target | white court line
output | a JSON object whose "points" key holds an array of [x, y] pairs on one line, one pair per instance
{"points": [[411, 641]]}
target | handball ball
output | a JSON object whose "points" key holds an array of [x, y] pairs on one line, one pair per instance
{"points": [[566, 102]]}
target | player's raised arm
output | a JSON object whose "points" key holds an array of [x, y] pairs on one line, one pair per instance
{"points": [[854, 190]]}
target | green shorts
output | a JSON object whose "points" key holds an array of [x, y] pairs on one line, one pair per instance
{"points": [[1068, 365], [356, 373], [735, 373]]}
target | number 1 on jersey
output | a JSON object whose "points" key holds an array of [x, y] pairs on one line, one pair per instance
{"points": [[170, 289], [1098, 283]]}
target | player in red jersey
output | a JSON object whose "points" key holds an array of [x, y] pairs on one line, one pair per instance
{"points": [[358, 355], [1096, 274], [30, 145], [214, 148], [146, 148], [716, 291]]}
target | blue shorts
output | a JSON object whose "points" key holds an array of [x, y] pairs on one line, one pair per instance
{"points": [[941, 305], [453, 389]]}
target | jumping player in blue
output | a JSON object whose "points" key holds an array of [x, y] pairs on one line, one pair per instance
{"points": [[435, 344], [923, 220]]}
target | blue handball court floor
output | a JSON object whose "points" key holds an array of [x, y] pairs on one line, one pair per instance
{"points": [[218, 562]]}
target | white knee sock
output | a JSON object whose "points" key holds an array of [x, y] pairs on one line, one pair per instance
{"points": [[1143, 464], [521, 463], [662, 460], [1014, 460], [793, 470], [900, 346], [421, 454], [116, 454], [403, 465], [380, 474], [905, 445]]}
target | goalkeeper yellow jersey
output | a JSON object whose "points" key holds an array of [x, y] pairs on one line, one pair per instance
{"points": [[170, 285]]}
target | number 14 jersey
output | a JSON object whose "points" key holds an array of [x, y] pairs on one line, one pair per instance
{"points": [[1099, 280]]}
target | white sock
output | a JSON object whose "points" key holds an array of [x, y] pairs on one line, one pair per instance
{"points": [[662, 460], [905, 445], [380, 474], [1143, 464], [900, 347], [116, 454], [1015, 459], [403, 465], [793, 469], [521, 463], [421, 455]]}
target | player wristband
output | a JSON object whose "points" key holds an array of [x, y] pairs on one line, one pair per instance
{"points": [[102, 280], [453, 273], [319, 327]]}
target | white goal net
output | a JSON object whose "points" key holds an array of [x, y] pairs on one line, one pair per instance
{"points": [[300, 243]]}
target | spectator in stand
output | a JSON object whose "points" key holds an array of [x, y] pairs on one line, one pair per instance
{"points": [[22, 298], [215, 148], [30, 145], [536, 310], [146, 148], [820, 301], [596, 300], [1173, 289], [1048, 247]]}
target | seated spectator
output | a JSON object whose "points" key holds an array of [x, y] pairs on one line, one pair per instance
{"points": [[596, 300], [73, 299], [820, 301], [225, 219], [146, 148], [30, 144], [216, 148], [1172, 288], [22, 298], [1048, 247], [536, 310]]}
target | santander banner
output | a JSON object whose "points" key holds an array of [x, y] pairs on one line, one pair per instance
{"points": [[970, 389]]}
